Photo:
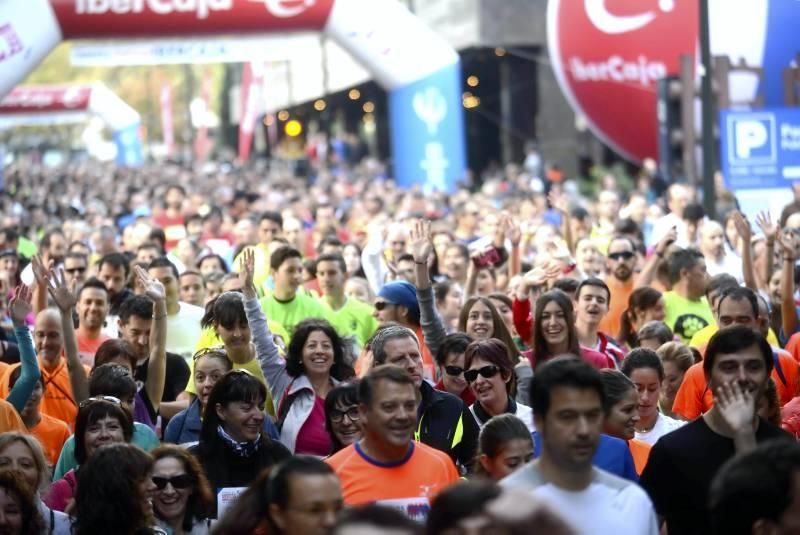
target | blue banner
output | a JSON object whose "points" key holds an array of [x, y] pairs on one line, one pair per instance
{"points": [[129, 146], [427, 131], [760, 149]]}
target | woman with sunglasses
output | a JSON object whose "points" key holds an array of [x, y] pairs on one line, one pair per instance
{"points": [[315, 363], [23, 454], [101, 421], [622, 415], [644, 305], [233, 448], [183, 498], [491, 377], [450, 359], [342, 419], [114, 493]]}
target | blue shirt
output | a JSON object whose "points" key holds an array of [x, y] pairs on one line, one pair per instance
{"points": [[184, 427], [612, 455]]}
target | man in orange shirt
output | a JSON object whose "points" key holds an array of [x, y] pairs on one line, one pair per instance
{"points": [[736, 306], [92, 311], [387, 466], [620, 264]]}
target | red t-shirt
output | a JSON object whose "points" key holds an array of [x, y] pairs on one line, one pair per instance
{"points": [[313, 439]]}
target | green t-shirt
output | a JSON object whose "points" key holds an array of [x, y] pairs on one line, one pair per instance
{"points": [[292, 312], [686, 317], [353, 319]]}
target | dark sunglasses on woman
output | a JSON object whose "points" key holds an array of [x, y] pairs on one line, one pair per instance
{"points": [[486, 371], [183, 481]]}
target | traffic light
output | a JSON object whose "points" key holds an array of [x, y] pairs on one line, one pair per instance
{"points": [[676, 120]]}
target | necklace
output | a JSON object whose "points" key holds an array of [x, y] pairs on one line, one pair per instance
{"points": [[648, 429]]}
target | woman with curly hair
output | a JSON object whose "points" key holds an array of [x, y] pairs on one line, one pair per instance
{"points": [[183, 498], [314, 364], [114, 490]]}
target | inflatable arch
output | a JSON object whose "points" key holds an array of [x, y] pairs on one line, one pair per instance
{"points": [[76, 103], [417, 67]]}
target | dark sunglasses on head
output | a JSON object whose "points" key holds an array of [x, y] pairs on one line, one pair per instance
{"points": [[183, 481], [486, 371], [380, 305], [455, 371], [624, 255], [352, 413]]}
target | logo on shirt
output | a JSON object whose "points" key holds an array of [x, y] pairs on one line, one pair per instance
{"points": [[687, 325]]}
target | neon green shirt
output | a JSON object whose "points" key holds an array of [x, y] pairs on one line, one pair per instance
{"points": [[354, 318], [302, 306], [685, 317]]}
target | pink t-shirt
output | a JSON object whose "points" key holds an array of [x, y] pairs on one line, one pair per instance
{"points": [[313, 439]]}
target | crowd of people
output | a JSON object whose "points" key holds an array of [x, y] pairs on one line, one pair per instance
{"points": [[232, 351]]}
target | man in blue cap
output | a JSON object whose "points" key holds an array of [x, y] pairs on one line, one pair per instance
{"points": [[397, 303]]}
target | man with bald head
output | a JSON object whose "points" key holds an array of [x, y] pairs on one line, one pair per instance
{"points": [[678, 196], [712, 245]]}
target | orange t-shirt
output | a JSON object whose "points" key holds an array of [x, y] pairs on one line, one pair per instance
{"points": [[640, 451], [620, 293], [694, 397], [52, 434], [793, 346], [58, 400], [9, 419], [409, 485], [87, 347]]}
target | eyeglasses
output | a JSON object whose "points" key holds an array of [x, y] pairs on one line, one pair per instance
{"points": [[216, 350], [183, 481], [380, 305], [108, 399], [624, 255], [74, 270], [337, 416], [486, 371], [455, 371]]}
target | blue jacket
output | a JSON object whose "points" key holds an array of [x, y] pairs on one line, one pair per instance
{"points": [[184, 427], [612, 455]]}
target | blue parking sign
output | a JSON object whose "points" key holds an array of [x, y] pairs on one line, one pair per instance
{"points": [[760, 149]]}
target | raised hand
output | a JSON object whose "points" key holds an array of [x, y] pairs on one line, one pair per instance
{"points": [[152, 287], [511, 229], [669, 238], [736, 406], [743, 228], [786, 241], [20, 305], [40, 271], [57, 287], [767, 226], [247, 267], [558, 201], [420, 241]]}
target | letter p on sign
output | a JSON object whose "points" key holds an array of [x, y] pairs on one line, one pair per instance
{"points": [[749, 136]]}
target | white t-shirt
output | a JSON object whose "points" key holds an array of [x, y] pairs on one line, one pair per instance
{"points": [[730, 264], [183, 330], [523, 412], [664, 425], [609, 504]]}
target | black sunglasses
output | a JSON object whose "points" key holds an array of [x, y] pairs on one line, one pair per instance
{"points": [[75, 270], [183, 481], [624, 255], [380, 305], [455, 371], [486, 371]]}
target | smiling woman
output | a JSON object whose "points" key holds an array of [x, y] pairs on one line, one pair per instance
{"points": [[183, 497]]}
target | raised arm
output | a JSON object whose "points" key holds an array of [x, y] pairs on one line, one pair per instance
{"points": [[648, 272], [746, 233], [514, 235], [157, 365], [269, 358], [40, 286], [19, 307], [561, 205], [788, 309], [65, 300], [770, 230], [422, 249]]}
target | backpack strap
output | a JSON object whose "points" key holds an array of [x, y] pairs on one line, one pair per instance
{"points": [[285, 404], [776, 361]]}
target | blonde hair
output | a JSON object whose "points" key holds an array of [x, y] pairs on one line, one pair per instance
{"points": [[677, 353], [7, 439]]}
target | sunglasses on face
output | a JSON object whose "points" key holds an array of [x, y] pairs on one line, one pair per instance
{"points": [[183, 481], [380, 305], [625, 255], [74, 270], [337, 416], [487, 372], [455, 371]]}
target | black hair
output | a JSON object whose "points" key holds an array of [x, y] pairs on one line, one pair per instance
{"points": [[568, 285], [223, 265], [655, 329], [405, 257], [177, 187], [616, 386], [383, 372], [47, 237], [157, 234], [682, 259], [275, 217], [294, 353], [331, 241], [190, 272], [540, 350], [227, 309], [281, 255], [452, 343], [495, 352], [112, 380], [643, 298], [757, 485], [458, 502], [595, 282], [93, 283], [441, 289], [333, 257], [732, 340], [719, 283], [235, 386], [116, 261], [642, 358], [140, 306], [377, 517], [345, 393], [499, 431], [93, 411], [566, 371], [162, 262], [739, 293], [694, 212]]}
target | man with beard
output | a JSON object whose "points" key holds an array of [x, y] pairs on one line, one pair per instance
{"points": [[712, 245], [683, 463], [387, 466], [569, 407]]}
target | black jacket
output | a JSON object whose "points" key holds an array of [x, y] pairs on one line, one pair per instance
{"points": [[444, 423]]}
